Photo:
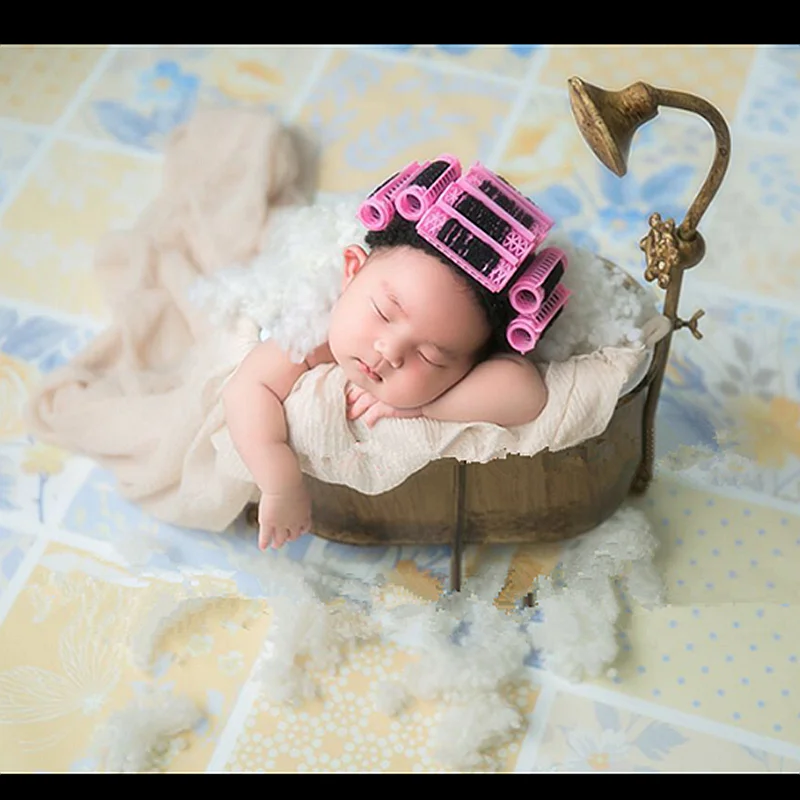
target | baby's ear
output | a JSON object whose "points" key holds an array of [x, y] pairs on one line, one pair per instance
{"points": [[354, 259]]}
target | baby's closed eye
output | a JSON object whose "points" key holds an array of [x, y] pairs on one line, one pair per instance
{"points": [[429, 360]]}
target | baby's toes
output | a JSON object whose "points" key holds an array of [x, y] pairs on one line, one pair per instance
{"points": [[265, 536], [280, 538], [296, 534]]}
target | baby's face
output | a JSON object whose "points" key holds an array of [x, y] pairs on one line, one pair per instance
{"points": [[405, 328]]}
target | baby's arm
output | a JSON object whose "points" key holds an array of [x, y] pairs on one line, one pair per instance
{"points": [[253, 401], [506, 390]]}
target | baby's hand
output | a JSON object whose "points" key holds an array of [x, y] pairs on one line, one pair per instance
{"points": [[284, 516], [361, 403]]}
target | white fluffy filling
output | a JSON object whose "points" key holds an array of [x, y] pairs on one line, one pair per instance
{"points": [[469, 651]]}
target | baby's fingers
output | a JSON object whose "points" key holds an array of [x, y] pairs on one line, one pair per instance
{"points": [[298, 532], [353, 393], [362, 404], [280, 537], [377, 412], [265, 536]]}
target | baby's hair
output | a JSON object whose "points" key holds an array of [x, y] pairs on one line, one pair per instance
{"points": [[402, 233]]}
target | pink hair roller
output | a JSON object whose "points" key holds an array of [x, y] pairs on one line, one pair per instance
{"points": [[413, 201], [377, 211], [521, 334], [528, 224], [533, 231], [525, 331], [529, 292]]}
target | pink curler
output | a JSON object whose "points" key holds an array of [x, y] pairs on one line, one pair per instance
{"points": [[413, 201], [530, 291], [524, 331], [521, 335], [528, 224], [377, 211], [533, 229]]}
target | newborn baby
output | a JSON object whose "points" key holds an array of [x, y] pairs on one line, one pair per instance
{"points": [[423, 326]]}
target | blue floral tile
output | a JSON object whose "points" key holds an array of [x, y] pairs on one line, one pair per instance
{"points": [[589, 736], [148, 92], [732, 399], [548, 159], [751, 228], [772, 106], [506, 60]]}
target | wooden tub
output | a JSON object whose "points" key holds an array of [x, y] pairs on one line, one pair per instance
{"points": [[543, 498], [549, 497]]}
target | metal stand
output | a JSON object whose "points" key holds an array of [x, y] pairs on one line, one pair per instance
{"points": [[458, 533]]}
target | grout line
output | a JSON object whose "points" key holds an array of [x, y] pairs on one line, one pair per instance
{"points": [[510, 125], [680, 718], [51, 533], [86, 87], [82, 468], [248, 696], [12, 124], [305, 91], [109, 146], [55, 129], [86, 140], [732, 492], [20, 579], [537, 726], [431, 63], [96, 547]]}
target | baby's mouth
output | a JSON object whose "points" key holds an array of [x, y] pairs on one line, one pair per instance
{"points": [[368, 371]]}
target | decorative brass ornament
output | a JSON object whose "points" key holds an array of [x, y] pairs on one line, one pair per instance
{"points": [[608, 121], [660, 249]]}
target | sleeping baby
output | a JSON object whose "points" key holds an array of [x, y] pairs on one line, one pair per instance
{"points": [[433, 319]]}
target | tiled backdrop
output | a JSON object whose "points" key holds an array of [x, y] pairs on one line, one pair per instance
{"points": [[711, 681]]}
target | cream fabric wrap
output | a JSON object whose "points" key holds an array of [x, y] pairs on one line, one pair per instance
{"points": [[583, 393]]}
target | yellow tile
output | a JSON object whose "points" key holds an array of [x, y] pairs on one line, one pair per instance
{"points": [[719, 550], [735, 663], [725, 645], [343, 731], [716, 72], [70, 667], [37, 83], [546, 146], [16, 149], [375, 116], [50, 232]]}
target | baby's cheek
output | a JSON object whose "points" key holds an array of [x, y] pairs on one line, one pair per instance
{"points": [[422, 386]]}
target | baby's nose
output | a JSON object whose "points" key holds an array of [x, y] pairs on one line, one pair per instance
{"points": [[391, 351]]}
